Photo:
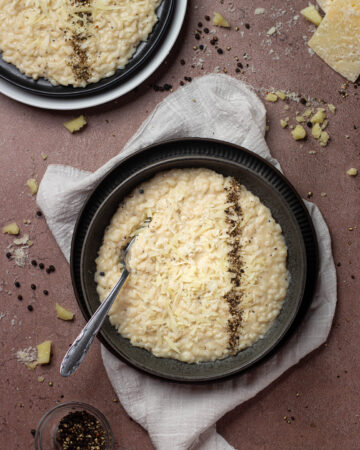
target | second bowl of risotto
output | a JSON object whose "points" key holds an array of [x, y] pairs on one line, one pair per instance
{"points": [[218, 277]]}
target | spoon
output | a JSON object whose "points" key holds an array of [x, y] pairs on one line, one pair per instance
{"points": [[79, 348]]}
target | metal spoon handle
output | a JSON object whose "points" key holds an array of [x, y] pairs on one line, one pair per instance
{"points": [[82, 343]]}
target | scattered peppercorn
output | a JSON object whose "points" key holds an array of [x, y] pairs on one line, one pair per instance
{"points": [[201, 47], [80, 429], [247, 26], [212, 42], [181, 83], [239, 64], [303, 101], [17, 284], [102, 274], [189, 79], [20, 297], [167, 87], [33, 263], [50, 269], [200, 24], [45, 292], [197, 36], [220, 51], [236, 28], [182, 62], [8, 255], [237, 70], [309, 124], [41, 266], [207, 18], [206, 30], [30, 308], [33, 286], [33, 432], [39, 213]]}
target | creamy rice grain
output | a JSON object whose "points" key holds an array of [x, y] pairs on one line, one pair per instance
{"points": [[179, 298]]}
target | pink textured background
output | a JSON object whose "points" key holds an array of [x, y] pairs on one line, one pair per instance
{"points": [[326, 411]]}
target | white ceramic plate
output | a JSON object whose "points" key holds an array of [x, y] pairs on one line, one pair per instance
{"points": [[27, 98]]}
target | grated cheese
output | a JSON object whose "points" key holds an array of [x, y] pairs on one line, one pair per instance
{"points": [[173, 303]]}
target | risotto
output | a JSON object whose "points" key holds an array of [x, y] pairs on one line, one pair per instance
{"points": [[208, 274], [73, 42]]}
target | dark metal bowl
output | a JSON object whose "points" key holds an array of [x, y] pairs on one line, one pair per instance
{"points": [[144, 51], [263, 180]]}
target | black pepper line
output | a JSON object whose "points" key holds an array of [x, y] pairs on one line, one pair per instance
{"points": [[233, 297], [79, 33]]}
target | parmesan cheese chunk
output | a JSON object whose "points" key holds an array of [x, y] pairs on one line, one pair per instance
{"points": [[325, 4], [337, 40]]}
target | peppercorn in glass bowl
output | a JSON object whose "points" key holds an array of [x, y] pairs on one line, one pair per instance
{"points": [[73, 425]]}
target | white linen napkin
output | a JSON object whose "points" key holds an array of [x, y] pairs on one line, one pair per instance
{"points": [[179, 416]]}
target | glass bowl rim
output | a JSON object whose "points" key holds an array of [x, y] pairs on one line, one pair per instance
{"points": [[63, 406]]}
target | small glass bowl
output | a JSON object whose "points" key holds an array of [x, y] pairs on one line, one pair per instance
{"points": [[45, 437]]}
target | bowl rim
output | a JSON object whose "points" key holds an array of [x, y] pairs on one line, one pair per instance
{"points": [[308, 284], [63, 406]]}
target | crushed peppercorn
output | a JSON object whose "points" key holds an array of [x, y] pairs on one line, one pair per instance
{"points": [[81, 430]]}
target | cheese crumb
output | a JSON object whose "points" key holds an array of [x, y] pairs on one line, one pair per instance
{"points": [[220, 21], [300, 119], [63, 313], [318, 117], [259, 11], [44, 156], [271, 97], [281, 95], [75, 124], [299, 133], [316, 131], [332, 108], [43, 352], [11, 228], [272, 31], [352, 172], [33, 185], [324, 138], [284, 122], [312, 14]]}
